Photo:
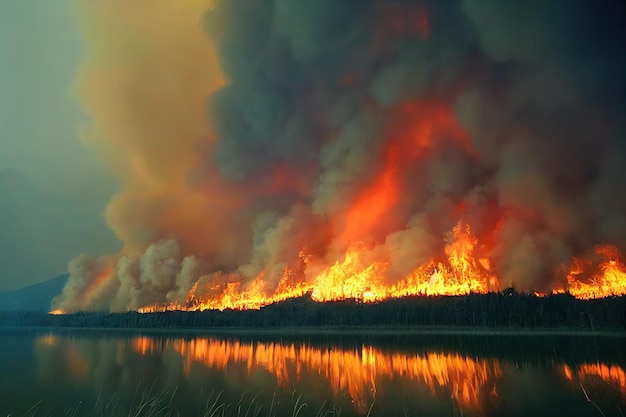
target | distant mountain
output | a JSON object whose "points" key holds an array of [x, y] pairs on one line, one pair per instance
{"points": [[35, 297]]}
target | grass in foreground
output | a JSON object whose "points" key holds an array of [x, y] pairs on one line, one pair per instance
{"points": [[149, 403]]}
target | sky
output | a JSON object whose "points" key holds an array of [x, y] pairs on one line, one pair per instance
{"points": [[53, 189]]}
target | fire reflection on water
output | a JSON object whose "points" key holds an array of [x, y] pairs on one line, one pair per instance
{"points": [[470, 382], [588, 373], [362, 375]]}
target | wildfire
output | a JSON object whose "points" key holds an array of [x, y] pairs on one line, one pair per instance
{"points": [[463, 273], [394, 169], [606, 278], [350, 278], [360, 275]]}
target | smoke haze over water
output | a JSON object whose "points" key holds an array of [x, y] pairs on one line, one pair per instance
{"points": [[251, 136]]}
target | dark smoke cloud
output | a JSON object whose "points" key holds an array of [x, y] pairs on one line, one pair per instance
{"points": [[508, 116]]}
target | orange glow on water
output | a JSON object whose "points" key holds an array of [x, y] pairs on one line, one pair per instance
{"points": [[353, 372], [608, 373], [588, 372], [143, 344], [49, 340], [356, 376]]}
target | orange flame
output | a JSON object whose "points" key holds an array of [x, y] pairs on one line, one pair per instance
{"points": [[359, 275], [608, 278], [462, 264]]}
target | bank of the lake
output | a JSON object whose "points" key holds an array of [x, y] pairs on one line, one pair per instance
{"points": [[333, 331]]}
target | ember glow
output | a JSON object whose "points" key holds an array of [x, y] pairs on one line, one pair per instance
{"points": [[351, 150]]}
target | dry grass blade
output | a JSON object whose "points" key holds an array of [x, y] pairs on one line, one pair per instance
{"points": [[269, 413], [34, 408], [243, 394], [215, 408], [370, 409], [591, 401], [296, 408], [321, 410], [252, 402], [151, 403]]}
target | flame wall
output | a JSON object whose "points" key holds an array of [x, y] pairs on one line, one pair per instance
{"points": [[261, 143]]}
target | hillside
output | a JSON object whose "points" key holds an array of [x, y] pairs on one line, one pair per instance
{"points": [[35, 297]]}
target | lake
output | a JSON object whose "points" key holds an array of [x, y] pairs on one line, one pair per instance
{"points": [[106, 373]]}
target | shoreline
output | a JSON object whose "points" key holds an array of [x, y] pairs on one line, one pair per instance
{"points": [[335, 331]]}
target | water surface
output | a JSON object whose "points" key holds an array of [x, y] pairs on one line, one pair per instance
{"points": [[99, 372]]}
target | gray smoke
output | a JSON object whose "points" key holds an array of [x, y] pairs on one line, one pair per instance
{"points": [[506, 116]]}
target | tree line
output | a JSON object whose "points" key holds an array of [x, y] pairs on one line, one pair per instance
{"points": [[504, 309]]}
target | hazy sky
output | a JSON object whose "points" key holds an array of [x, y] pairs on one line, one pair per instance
{"points": [[52, 188]]}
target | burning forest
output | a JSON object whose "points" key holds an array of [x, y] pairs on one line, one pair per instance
{"points": [[366, 149]]}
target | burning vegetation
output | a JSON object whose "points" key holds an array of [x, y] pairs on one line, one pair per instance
{"points": [[366, 150], [355, 278]]}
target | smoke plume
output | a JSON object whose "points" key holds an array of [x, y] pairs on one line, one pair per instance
{"points": [[254, 137]]}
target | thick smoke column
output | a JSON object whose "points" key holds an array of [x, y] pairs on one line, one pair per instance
{"points": [[145, 79], [291, 132]]}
